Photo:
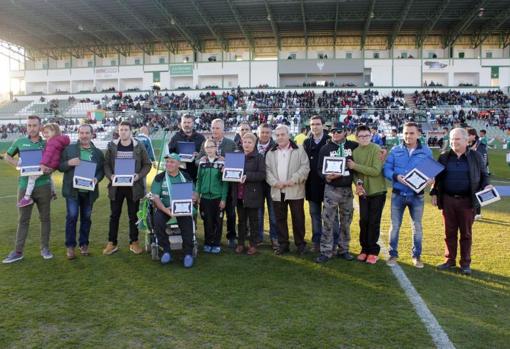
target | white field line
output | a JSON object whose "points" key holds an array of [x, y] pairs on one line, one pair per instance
{"points": [[7, 196], [439, 336]]}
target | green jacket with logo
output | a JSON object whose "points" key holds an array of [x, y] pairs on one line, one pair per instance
{"points": [[209, 180]]}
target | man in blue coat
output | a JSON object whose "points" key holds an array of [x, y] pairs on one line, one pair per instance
{"points": [[402, 159]]}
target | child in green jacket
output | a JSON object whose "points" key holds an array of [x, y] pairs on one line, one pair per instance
{"points": [[212, 192]]}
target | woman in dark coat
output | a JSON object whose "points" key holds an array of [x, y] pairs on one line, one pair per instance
{"points": [[248, 196]]}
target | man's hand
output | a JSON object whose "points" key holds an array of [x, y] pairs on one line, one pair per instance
{"points": [[332, 177], [280, 185], [490, 186], [430, 181], [382, 155], [289, 183], [401, 180], [222, 205], [350, 164], [95, 180], [168, 211], [73, 162], [434, 200], [195, 197], [136, 177], [243, 179]]}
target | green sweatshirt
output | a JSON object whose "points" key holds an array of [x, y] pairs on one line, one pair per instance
{"points": [[209, 180], [369, 168]]}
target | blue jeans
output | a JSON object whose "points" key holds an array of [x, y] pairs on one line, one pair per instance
{"points": [[273, 228], [82, 205], [415, 203]]}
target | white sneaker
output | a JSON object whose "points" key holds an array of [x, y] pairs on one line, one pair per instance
{"points": [[478, 217], [392, 261], [46, 254], [417, 263]]}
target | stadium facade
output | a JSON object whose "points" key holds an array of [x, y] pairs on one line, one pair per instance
{"points": [[66, 47]]}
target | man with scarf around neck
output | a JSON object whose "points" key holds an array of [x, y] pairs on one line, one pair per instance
{"points": [[338, 197]]}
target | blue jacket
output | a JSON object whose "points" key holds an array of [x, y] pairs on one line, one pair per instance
{"points": [[147, 143], [399, 163]]}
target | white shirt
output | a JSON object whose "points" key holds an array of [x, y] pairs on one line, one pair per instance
{"points": [[283, 158]]}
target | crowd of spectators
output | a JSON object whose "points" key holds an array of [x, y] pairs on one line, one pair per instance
{"points": [[490, 99]]}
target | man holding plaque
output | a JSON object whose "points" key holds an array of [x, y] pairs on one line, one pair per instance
{"points": [[225, 145], [41, 194], [402, 159], [338, 196], [454, 191], [125, 148], [80, 201], [287, 168], [187, 134], [161, 191]]}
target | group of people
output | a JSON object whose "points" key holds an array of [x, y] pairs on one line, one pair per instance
{"points": [[278, 174]]}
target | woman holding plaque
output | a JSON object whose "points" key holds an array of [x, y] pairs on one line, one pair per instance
{"points": [[248, 195]]}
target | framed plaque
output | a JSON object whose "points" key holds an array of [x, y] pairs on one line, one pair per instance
{"points": [[30, 162], [487, 196], [182, 199], [416, 180], [124, 173], [233, 170], [186, 150], [333, 165], [84, 175]]}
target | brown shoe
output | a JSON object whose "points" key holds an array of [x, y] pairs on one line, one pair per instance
{"points": [[239, 249], [70, 253], [84, 250], [135, 247], [110, 249], [251, 250]]}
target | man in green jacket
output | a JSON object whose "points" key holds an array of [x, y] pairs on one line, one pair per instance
{"points": [[41, 194], [80, 201], [126, 147], [371, 188]]}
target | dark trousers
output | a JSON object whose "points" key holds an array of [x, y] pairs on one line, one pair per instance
{"points": [[370, 212], [458, 215], [82, 207], [116, 210], [230, 211], [185, 226], [297, 212], [213, 221], [248, 218]]}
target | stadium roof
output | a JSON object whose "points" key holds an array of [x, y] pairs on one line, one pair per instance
{"points": [[57, 24]]}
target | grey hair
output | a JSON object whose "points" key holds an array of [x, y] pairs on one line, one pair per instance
{"points": [[218, 121], [462, 132], [282, 127]]}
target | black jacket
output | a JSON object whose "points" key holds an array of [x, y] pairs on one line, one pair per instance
{"points": [[478, 175], [329, 150], [314, 186], [255, 171], [198, 139], [267, 188]]}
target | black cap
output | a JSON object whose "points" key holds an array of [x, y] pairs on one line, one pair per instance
{"points": [[338, 126]]}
